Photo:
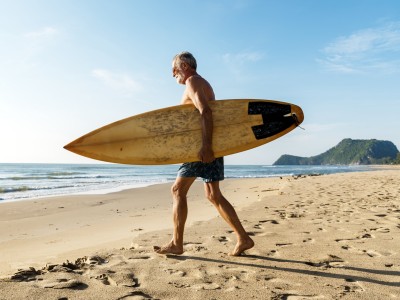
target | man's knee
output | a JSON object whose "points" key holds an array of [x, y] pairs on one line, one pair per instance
{"points": [[214, 196], [174, 190], [177, 192]]}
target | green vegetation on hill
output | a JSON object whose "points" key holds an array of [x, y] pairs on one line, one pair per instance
{"points": [[397, 160], [349, 152]]}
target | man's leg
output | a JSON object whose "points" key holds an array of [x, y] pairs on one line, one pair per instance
{"points": [[179, 192], [226, 210]]}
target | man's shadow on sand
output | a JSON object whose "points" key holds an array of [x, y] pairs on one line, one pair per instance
{"points": [[349, 278]]}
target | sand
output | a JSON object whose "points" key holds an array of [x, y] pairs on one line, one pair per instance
{"points": [[317, 237]]}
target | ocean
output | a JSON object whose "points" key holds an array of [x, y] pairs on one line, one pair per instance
{"points": [[29, 181]]}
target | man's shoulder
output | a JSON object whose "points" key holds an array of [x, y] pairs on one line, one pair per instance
{"points": [[198, 82], [196, 79]]}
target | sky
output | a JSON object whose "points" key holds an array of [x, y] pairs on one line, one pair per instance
{"points": [[68, 67]]}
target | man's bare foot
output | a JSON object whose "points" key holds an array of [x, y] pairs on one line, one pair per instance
{"points": [[170, 248], [242, 246]]}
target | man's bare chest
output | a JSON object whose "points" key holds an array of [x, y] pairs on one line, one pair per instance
{"points": [[186, 99]]}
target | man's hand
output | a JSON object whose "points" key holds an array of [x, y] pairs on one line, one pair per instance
{"points": [[206, 155]]}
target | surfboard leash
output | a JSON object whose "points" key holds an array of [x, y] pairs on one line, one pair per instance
{"points": [[296, 121]]}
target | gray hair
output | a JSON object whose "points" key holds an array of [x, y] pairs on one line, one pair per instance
{"points": [[186, 57]]}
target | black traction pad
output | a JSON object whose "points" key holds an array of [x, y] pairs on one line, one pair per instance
{"points": [[274, 120]]}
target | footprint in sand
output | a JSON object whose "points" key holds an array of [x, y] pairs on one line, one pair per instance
{"points": [[381, 230], [364, 236], [222, 239], [179, 285], [123, 278], [177, 273], [275, 222], [233, 276], [90, 260], [26, 274], [352, 249], [194, 247], [113, 271], [372, 253], [331, 261], [266, 278], [117, 275], [369, 252], [62, 279], [63, 283], [308, 240], [354, 287]]}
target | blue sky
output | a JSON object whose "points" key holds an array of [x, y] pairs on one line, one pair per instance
{"points": [[68, 67]]}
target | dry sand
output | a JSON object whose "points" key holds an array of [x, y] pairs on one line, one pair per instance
{"points": [[317, 237]]}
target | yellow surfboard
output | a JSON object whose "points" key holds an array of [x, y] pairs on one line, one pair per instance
{"points": [[173, 134]]}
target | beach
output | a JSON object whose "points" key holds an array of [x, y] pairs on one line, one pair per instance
{"points": [[317, 237]]}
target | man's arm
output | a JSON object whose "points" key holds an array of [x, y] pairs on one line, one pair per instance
{"points": [[195, 89]]}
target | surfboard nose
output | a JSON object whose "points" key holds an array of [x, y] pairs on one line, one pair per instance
{"points": [[74, 145], [70, 147]]}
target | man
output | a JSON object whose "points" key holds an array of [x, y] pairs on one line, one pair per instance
{"points": [[199, 92]]}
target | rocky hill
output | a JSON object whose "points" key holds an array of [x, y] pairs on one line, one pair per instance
{"points": [[348, 152]]}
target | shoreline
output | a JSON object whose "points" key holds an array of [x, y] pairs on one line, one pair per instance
{"points": [[328, 236], [108, 190], [93, 192]]}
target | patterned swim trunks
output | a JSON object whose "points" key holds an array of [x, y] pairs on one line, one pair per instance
{"points": [[213, 171]]}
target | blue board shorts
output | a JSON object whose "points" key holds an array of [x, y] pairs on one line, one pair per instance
{"points": [[213, 171]]}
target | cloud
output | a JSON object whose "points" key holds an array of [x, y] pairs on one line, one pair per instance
{"points": [[241, 58], [236, 62], [120, 82], [28, 50], [367, 50], [36, 42], [42, 33]]}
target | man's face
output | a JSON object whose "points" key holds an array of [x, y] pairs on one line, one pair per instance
{"points": [[179, 71]]}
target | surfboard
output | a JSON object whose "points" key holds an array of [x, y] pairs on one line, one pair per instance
{"points": [[173, 134]]}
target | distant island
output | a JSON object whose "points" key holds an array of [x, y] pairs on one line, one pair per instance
{"points": [[349, 152]]}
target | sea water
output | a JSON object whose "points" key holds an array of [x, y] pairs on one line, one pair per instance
{"points": [[28, 181]]}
